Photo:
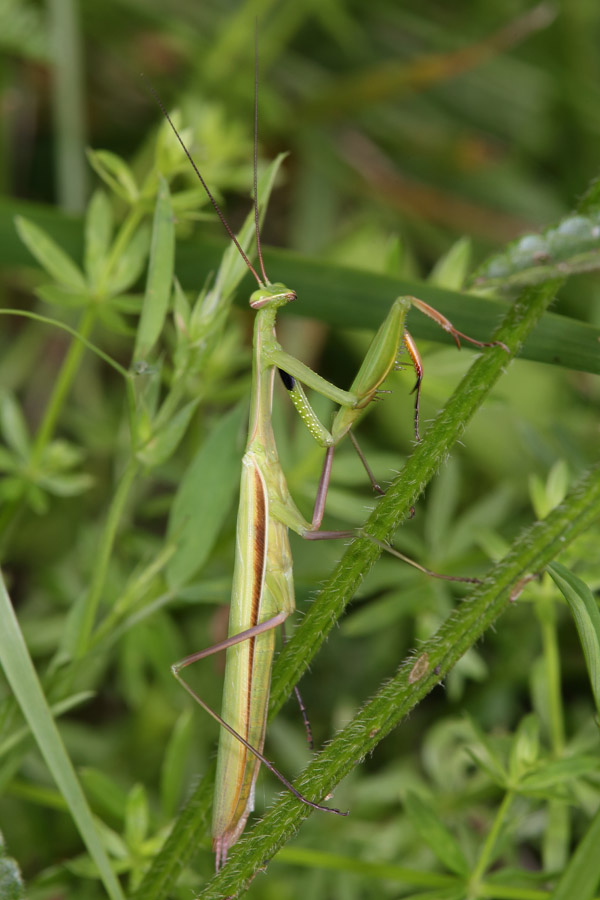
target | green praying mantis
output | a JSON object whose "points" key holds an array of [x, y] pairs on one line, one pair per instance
{"points": [[263, 589]]}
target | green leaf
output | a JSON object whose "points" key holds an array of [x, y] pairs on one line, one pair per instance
{"points": [[181, 309], [484, 755], [160, 275], [37, 499], [136, 816], [8, 463], [13, 425], [580, 878], [61, 455], [426, 821], [11, 489], [204, 498], [63, 297], [25, 36], [11, 883], [49, 255], [573, 245], [66, 485], [451, 269], [546, 495], [58, 709], [584, 610], [104, 792], [98, 234], [127, 303], [131, 262], [450, 893], [115, 173], [23, 680], [114, 321], [173, 769], [558, 772], [558, 483], [161, 446], [525, 747]]}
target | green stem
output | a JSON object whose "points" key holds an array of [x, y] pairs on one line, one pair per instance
{"points": [[62, 387], [94, 596], [68, 104], [485, 857], [62, 326]]}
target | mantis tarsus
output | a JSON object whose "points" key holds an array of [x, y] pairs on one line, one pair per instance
{"points": [[263, 590]]}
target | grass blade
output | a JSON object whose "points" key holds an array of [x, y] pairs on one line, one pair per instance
{"points": [[160, 275], [27, 689], [580, 878], [584, 609]]}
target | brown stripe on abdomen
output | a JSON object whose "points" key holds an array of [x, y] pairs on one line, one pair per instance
{"points": [[259, 556], [259, 560]]}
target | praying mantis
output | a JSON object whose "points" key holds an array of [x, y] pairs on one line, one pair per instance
{"points": [[263, 589]]}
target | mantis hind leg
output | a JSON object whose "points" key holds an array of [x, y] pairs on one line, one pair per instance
{"points": [[247, 635]]}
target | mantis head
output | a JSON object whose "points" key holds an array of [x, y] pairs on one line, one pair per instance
{"points": [[275, 295]]}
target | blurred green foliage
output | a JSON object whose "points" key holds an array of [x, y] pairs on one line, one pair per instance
{"points": [[422, 139]]}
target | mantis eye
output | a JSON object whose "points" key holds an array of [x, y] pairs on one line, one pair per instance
{"points": [[260, 298], [277, 294]]}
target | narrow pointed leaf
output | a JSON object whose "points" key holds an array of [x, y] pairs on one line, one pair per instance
{"points": [[584, 609], [49, 255], [13, 425], [131, 262], [23, 680], [160, 275], [427, 823], [98, 233], [204, 498], [580, 878], [162, 445], [115, 172]]}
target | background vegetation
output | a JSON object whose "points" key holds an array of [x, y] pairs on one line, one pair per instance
{"points": [[423, 137]]}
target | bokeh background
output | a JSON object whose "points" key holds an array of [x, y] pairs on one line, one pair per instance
{"points": [[410, 126]]}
